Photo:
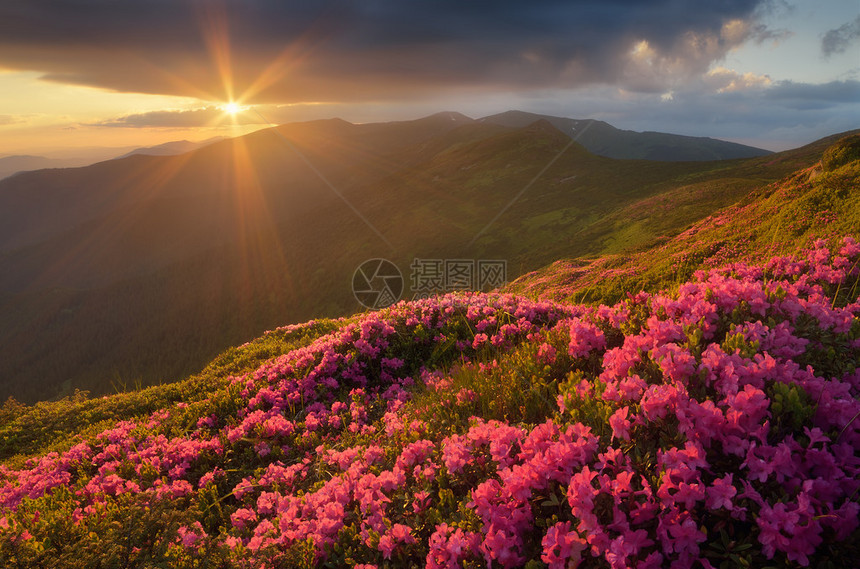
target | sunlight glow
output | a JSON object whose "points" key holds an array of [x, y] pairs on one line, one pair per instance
{"points": [[232, 108]]}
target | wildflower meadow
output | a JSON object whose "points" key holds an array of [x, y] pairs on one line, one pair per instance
{"points": [[716, 424]]}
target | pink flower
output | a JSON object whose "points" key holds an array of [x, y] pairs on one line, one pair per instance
{"points": [[687, 537], [402, 533], [448, 547], [546, 353], [243, 517], [720, 494], [466, 396], [502, 547], [584, 338], [480, 340], [188, 537], [747, 408], [620, 424], [676, 362], [421, 501], [386, 546], [398, 533], [562, 548]]}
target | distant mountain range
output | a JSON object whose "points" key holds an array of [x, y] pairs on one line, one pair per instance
{"points": [[604, 139], [172, 148], [10, 165], [139, 270], [596, 136]]}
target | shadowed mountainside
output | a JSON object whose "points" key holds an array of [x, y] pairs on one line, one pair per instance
{"points": [[604, 139], [139, 270], [172, 148], [820, 201], [10, 165]]}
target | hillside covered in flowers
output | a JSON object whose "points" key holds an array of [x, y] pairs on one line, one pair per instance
{"points": [[714, 423]]}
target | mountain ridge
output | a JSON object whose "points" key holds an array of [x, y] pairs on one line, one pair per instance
{"points": [[172, 147], [11, 165], [604, 139], [276, 243]]}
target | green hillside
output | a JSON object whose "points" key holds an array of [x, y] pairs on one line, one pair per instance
{"points": [[704, 416], [604, 139], [820, 201], [143, 269]]}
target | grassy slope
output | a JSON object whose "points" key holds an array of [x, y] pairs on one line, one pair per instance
{"points": [[517, 388], [605, 140], [105, 319], [791, 209], [37, 429], [775, 218]]}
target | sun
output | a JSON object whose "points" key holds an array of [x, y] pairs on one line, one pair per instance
{"points": [[232, 108]]}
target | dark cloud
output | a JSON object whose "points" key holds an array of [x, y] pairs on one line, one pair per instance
{"points": [[190, 118], [820, 96], [838, 40], [740, 107], [210, 116], [762, 34], [314, 50]]}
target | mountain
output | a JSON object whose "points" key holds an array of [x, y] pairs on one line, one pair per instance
{"points": [[99, 266], [172, 148], [605, 140], [596, 136], [145, 244], [709, 419], [83, 157], [818, 201], [12, 164]]}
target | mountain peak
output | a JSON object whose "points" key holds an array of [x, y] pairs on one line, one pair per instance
{"points": [[604, 139], [542, 125], [453, 116]]}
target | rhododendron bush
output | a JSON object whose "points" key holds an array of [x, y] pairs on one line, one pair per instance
{"points": [[717, 425]]}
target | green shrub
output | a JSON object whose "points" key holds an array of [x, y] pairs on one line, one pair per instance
{"points": [[845, 151]]}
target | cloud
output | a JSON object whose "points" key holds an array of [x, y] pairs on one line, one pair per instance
{"points": [[9, 119], [280, 51], [724, 80], [730, 104], [737, 32], [650, 68], [820, 96], [212, 115], [838, 40], [183, 118], [776, 115]]}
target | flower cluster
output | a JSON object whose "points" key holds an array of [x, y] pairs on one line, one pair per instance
{"points": [[714, 423]]}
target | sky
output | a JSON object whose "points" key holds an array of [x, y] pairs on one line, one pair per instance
{"points": [[78, 73]]}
